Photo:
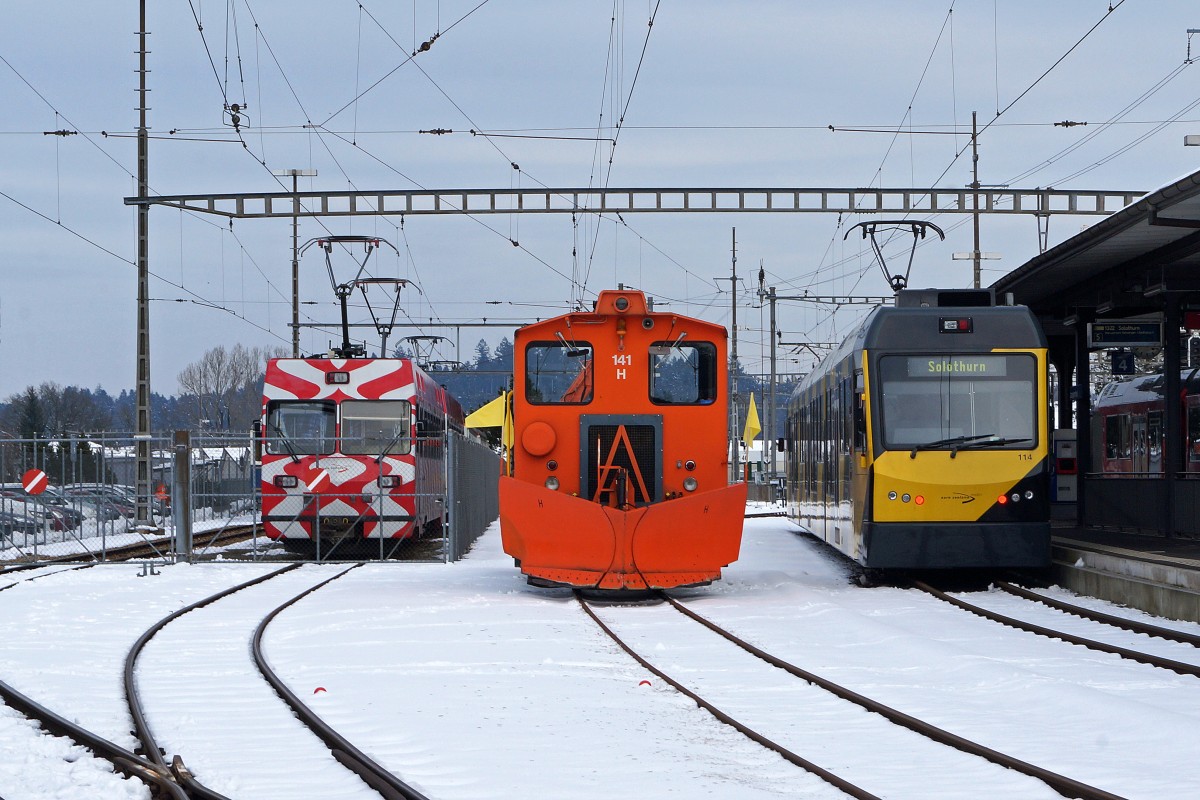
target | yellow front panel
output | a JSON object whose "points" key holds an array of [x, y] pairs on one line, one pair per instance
{"points": [[945, 489]]}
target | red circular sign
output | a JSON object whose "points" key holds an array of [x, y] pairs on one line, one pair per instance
{"points": [[35, 481]]}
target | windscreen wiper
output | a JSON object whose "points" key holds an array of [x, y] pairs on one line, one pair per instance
{"points": [[383, 454], [286, 443], [993, 441], [954, 443]]}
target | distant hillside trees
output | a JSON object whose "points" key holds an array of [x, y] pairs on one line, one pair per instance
{"points": [[51, 410], [222, 391], [478, 382], [56, 422]]}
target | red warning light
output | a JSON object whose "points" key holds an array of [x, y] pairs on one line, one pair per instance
{"points": [[956, 325], [919, 499], [1002, 499]]}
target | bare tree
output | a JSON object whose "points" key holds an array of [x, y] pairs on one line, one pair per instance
{"points": [[225, 386]]}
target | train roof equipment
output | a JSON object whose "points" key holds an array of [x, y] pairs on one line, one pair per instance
{"points": [[916, 227], [361, 281]]}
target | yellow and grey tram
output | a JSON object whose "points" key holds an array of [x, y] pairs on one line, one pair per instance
{"points": [[922, 441]]}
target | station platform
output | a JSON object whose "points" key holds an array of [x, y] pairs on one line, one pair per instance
{"points": [[1157, 574]]}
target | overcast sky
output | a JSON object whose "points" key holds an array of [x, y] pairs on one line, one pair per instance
{"points": [[713, 94]]}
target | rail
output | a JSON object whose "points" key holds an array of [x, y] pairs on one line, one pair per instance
{"points": [[1133, 655]]}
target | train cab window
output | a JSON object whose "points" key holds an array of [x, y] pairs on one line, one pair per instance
{"points": [[558, 372], [370, 427], [934, 400], [683, 374], [300, 428]]}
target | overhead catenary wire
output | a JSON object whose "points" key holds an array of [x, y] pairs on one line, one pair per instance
{"points": [[620, 123], [1001, 111], [59, 114], [321, 141], [260, 35]]}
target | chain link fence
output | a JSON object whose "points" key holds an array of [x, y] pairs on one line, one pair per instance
{"points": [[86, 506], [206, 503], [473, 493]]}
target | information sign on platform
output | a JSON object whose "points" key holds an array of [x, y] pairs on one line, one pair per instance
{"points": [[1125, 334], [1122, 363]]}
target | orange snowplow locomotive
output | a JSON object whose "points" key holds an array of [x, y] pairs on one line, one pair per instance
{"points": [[618, 475]]}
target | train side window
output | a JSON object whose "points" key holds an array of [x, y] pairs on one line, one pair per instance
{"points": [[558, 372], [683, 374], [1117, 436], [860, 423], [300, 428], [373, 426], [1193, 438]]}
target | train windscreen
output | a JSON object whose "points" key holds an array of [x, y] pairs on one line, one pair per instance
{"points": [[370, 427], [300, 428], [558, 372], [683, 374], [946, 401]]}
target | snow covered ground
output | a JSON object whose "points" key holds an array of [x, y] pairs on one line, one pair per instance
{"points": [[469, 684]]}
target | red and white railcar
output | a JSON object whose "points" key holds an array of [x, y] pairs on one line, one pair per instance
{"points": [[1129, 424], [352, 450]]}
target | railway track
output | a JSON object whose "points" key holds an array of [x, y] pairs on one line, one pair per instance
{"points": [[1100, 618], [160, 781], [195, 782], [150, 548], [1061, 784], [374, 775]]}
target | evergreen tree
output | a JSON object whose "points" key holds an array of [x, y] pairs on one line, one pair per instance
{"points": [[31, 416]]}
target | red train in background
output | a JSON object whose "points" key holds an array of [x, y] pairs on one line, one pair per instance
{"points": [[352, 452], [1129, 424], [618, 474]]}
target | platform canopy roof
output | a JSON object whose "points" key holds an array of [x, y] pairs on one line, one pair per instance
{"points": [[1123, 266]]}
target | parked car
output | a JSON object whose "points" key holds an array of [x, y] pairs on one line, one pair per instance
{"points": [[103, 498], [13, 523], [26, 518], [57, 510], [97, 508]]}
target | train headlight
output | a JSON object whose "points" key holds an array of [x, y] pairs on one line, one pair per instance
{"points": [[690, 484], [1015, 497], [1029, 494], [689, 465], [552, 483], [286, 481], [904, 498], [892, 495], [389, 481]]}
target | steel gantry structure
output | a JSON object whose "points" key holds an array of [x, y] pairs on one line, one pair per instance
{"points": [[1037, 202], [1041, 203]]}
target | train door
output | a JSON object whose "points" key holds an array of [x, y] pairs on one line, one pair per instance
{"points": [[1154, 442], [833, 531], [1141, 460], [845, 457]]}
